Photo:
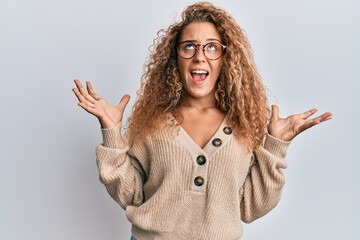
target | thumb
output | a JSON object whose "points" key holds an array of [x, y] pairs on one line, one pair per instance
{"points": [[274, 112], [123, 102]]}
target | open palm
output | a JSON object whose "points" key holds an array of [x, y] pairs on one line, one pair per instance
{"points": [[288, 128], [108, 115]]}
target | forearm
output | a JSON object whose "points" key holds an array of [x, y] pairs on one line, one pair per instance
{"points": [[262, 188], [117, 173]]}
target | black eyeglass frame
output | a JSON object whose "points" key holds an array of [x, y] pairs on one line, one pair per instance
{"points": [[203, 48]]}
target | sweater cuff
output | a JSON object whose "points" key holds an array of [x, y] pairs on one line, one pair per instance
{"points": [[276, 146], [112, 137]]}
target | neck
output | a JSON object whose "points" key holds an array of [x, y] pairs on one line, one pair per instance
{"points": [[200, 103]]}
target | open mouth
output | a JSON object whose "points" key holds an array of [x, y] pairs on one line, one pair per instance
{"points": [[199, 75]]}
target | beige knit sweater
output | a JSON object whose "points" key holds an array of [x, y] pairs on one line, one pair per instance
{"points": [[169, 192]]}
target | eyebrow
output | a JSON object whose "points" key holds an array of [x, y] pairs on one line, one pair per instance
{"points": [[207, 40]]}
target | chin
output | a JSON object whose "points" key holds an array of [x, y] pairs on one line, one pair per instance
{"points": [[197, 93], [200, 89]]}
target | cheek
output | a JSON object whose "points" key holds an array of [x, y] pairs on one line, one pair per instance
{"points": [[181, 68], [217, 68]]}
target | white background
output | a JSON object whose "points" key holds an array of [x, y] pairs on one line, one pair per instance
{"points": [[306, 51]]}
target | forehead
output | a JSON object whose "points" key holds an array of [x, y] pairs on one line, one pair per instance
{"points": [[200, 31]]}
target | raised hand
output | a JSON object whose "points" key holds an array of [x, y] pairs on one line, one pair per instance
{"points": [[107, 114], [288, 128]]}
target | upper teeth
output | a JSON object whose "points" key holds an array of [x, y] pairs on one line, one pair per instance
{"points": [[199, 72]]}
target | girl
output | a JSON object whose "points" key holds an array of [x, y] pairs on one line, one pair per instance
{"points": [[202, 151]]}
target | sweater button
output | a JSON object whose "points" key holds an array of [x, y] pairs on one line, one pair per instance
{"points": [[217, 142], [201, 160], [227, 130], [199, 181]]}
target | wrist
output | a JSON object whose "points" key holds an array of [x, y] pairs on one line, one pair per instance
{"points": [[106, 123]]}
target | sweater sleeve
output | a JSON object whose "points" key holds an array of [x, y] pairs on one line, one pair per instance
{"points": [[262, 188], [121, 174]]}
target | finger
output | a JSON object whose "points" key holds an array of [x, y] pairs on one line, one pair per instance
{"points": [[326, 119], [78, 84], [77, 93], [123, 102], [308, 125], [87, 108], [307, 114], [275, 112], [83, 92], [81, 98], [322, 117], [91, 91]]}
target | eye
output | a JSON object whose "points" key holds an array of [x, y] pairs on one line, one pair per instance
{"points": [[189, 46], [212, 46]]}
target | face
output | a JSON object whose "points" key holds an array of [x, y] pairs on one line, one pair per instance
{"points": [[199, 74]]}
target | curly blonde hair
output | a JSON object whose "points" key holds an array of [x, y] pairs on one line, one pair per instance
{"points": [[240, 91]]}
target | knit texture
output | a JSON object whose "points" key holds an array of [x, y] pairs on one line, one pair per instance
{"points": [[154, 181]]}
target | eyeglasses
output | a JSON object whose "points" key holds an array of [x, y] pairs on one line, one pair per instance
{"points": [[212, 50]]}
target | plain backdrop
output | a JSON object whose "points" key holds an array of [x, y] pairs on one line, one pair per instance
{"points": [[307, 52]]}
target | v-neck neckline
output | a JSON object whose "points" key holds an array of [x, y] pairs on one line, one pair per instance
{"points": [[209, 148]]}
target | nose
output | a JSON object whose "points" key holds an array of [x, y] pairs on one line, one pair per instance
{"points": [[199, 55]]}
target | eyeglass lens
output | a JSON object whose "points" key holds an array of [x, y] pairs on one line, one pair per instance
{"points": [[212, 50]]}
